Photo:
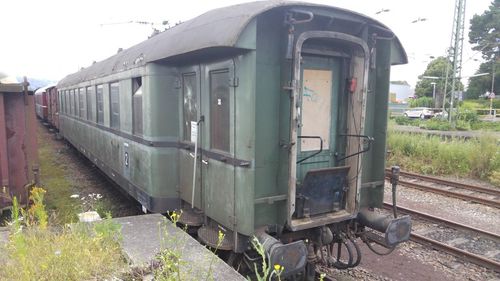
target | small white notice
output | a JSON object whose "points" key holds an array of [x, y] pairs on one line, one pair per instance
{"points": [[194, 131]]}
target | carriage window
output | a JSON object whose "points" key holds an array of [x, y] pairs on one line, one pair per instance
{"points": [[190, 105], [81, 103], [89, 103], [114, 98], [68, 99], [71, 102], [219, 110], [99, 105], [316, 105], [137, 105], [66, 102], [75, 103], [61, 101]]}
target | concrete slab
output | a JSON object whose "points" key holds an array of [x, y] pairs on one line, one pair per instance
{"points": [[146, 235]]}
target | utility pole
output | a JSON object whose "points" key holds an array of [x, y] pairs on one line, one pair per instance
{"points": [[434, 93], [493, 85], [455, 55]]}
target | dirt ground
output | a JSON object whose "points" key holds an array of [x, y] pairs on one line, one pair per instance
{"points": [[74, 184]]}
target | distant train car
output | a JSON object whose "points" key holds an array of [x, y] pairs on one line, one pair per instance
{"points": [[263, 119], [18, 145], [41, 104]]}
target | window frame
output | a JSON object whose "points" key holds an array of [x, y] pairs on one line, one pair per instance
{"points": [[99, 94], [88, 97], [186, 129], [137, 94], [82, 93], [114, 117], [219, 69]]}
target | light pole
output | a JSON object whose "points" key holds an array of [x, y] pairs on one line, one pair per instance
{"points": [[434, 92], [492, 95]]}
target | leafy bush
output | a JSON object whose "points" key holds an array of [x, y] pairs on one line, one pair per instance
{"points": [[477, 158], [422, 102], [485, 125], [467, 115], [462, 125], [495, 178], [402, 120], [436, 124]]}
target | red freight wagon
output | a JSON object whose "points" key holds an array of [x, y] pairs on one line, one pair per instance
{"points": [[18, 143], [41, 103]]}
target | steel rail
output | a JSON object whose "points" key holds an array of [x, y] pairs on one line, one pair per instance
{"points": [[484, 201], [449, 183], [473, 258], [470, 257], [449, 223]]}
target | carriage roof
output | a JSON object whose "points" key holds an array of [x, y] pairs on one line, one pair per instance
{"points": [[219, 28]]}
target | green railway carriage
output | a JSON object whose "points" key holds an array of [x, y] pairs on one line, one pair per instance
{"points": [[266, 118]]}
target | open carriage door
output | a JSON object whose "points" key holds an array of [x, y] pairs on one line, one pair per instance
{"points": [[320, 186]]}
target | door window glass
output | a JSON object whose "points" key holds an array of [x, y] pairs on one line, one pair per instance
{"points": [[190, 104], [316, 108], [219, 110]]}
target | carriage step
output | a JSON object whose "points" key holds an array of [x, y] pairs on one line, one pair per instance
{"points": [[191, 217], [209, 235]]}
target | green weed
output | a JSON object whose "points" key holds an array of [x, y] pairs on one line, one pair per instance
{"points": [[267, 272], [476, 158], [78, 252]]}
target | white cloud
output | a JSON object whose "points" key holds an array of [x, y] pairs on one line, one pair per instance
{"points": [[50, 39]]}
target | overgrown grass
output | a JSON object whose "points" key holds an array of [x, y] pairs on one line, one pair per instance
{"points": [[481, 103], [476, 158], [37, 252], [463, 123], [54, 179]]}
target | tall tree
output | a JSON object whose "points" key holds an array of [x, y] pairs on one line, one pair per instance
{"points": [[480, 85], [484, 31], [484, 35], [435, 73]]}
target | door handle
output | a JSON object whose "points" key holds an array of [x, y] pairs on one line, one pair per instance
{"points": [[204, 161], [191, 154]]}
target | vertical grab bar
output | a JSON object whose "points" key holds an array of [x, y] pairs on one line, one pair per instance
{"points": [[195, 157]]}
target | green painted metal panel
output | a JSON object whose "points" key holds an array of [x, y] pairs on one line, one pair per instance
{"points": [[218, 177], [218, 182], [376, 126], [245, 148], [160, 103], [268, 119]]}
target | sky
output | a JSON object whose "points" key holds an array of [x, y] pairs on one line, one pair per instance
{"points": [[50, 39]]}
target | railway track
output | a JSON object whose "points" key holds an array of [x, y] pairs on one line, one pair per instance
{"points": [[484, 260], [472, 193]]}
